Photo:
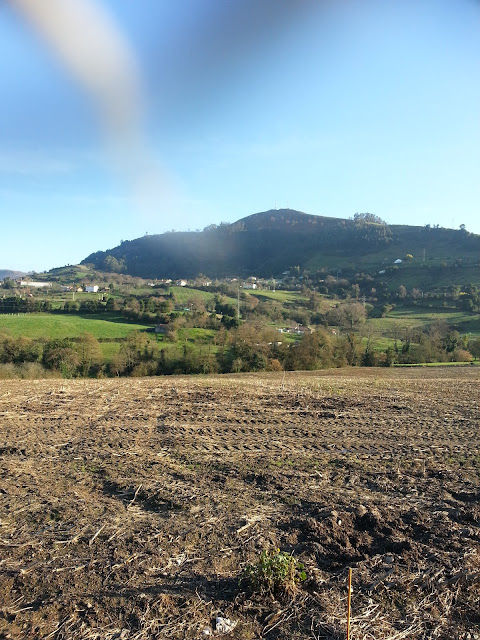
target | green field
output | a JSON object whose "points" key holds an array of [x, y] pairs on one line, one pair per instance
{"points": [[51, 326], [448, 263], [412, 317], [183, 294], [431, 276], [202, 336], [285, 297]]}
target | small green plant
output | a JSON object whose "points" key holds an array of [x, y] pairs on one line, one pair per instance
{"points": [[275, 572]]}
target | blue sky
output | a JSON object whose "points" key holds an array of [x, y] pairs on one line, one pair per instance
{"points": [[328, 107]]}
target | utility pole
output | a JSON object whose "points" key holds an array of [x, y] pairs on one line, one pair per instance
{"points": [[238, 303]]}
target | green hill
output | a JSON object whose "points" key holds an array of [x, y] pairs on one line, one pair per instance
{"points": [[8, 273], [266, 244]]}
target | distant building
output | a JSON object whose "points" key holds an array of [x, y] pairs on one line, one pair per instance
{"points": [[397, 261], [35, 285], [249, 285], [91, 288], [302, 329], [161, 328], [299, 329], [181, 283]]}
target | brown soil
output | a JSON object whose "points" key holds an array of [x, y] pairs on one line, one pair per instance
{"points": [[130, 506]]}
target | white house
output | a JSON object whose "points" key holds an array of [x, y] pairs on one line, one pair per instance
{"points": [[301, 329], [181, 283], [249, 285], [35, 285], [397, 261], [91, 288]]}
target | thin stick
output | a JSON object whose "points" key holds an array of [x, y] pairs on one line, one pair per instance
{"points": [[134, 497], [349, 602], [92, 540]]}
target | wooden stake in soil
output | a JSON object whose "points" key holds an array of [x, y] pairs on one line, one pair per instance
{"points": [[349, 602]]}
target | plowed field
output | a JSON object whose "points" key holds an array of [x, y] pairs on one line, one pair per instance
{"points": [[129, 507]]}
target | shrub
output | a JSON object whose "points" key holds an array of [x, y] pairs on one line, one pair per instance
{"points": [[275, 365], [275, 572], [8, 371], [461, 355]]}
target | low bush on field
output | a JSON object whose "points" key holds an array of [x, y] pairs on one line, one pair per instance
{"points": [[276, 572]]}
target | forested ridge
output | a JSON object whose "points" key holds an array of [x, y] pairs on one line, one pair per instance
{"points": [[265, 244]]}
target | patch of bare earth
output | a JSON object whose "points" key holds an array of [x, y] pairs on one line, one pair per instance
{"points": [[130, 506]]}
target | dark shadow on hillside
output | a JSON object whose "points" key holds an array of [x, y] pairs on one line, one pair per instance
{"points": [[107, 317]]}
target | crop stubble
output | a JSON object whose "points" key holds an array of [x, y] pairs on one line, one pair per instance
{"points": [[130, 506]]}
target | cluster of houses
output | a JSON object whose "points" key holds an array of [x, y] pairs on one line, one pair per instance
{"points": [[397, 261], [32, 284], [180, 283], [250, 283], [298, 329]]}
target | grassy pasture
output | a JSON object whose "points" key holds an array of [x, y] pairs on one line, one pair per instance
{"points": [[431, 277], [183, 294], [197, 335], [279, 295], [411, 317], [50, 326]]}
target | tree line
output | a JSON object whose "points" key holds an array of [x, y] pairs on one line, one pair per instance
{"points": [[251, 346]]}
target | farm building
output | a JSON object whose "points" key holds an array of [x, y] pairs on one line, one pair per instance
{"points": [[249, 285], [35, 285], [161, 328], [301, 329], [91, 288]]}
